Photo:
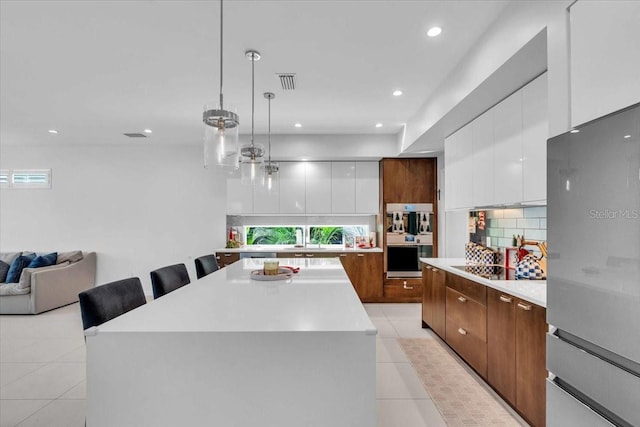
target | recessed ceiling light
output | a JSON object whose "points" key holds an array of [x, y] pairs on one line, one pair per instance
{"points": [[434, 31], [53, 131], [574, 130], [627, 136], [397, 92], [148, 131], [298, 125], [378, 125]]}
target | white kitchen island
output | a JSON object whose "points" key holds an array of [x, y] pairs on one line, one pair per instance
{"points": [[226, 350]]}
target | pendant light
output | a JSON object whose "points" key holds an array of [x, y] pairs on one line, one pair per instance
{"points": [[270, 169], [251, 155], [221, 127]]}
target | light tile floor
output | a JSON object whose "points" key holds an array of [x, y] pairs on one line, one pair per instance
{"points": [[42, 369]]}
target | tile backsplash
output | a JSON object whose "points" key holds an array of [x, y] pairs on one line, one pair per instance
{"points": [[502, 224]]}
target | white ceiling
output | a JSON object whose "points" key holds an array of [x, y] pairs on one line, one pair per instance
{"points": [[96, 69]]}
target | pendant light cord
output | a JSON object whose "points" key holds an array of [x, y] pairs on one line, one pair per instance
{"points": [[269, 99], [253, 95], [221, 57]]}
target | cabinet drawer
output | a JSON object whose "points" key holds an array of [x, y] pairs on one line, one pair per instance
{"points": [[467, 314], [226, 258], [403, 288], [472, 349], [469, 288]]}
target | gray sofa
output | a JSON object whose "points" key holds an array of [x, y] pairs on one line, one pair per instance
{"points": [[51, 287]]}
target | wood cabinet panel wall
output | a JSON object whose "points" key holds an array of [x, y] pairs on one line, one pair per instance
{"points": [[500, 336]]}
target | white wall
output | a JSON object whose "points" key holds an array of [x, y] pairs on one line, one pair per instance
{"points": [[140, 207]]}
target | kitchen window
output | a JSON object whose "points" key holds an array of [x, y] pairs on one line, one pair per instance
{"points": [[25, 178], [288, 235]]}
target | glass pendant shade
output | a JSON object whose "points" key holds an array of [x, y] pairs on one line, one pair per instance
{"points": [[270, 176], [251, 160], [220, 137]]}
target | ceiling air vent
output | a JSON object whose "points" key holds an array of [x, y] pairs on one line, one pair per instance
{"points": [[287, 80], [135, 135]]}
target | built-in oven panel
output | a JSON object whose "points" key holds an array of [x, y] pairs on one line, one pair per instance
{"points": [[404, 260]]}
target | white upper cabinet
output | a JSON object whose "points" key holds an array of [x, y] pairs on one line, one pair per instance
{"points": [[239, 197], [318, 187], [507, 149], [535, 131], [292, 187], [458, 169], [367, 187], [605, 58], [483, 160], [500, 158], [343, 187], [265, 201]]}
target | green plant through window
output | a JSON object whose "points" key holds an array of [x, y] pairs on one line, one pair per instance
{"points": [[271, 235]]}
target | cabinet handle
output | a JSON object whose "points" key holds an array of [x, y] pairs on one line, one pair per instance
{"points": [[505, 299], [462, 331], [428, 268], [309, 255], [218, 257], [462, 299], [404, 285], [525, 307], [227, 255], [360, 254], [434, 269], [298, 255], [343, 254]]}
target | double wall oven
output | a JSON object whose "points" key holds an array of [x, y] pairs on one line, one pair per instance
{"points": [[409, 237]]}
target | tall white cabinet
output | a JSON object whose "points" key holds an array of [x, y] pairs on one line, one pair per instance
{"points": [[343, 187], [318, 187], [500, 157], [292, 187], [367, 187], [605, 57]]}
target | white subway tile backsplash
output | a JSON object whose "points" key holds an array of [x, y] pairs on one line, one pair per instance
{"points": [[508, 223], [513, 213], [503, 224], [540, 235], [528, 223], [535, 212]]}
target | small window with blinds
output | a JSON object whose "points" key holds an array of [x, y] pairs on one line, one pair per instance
{"points": [[26, 178]]}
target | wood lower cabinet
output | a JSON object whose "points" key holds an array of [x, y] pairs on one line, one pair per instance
{"points": [[226, 258], [516, 353], [365, 273], [466, 328], [434, 299], [403, 290]]}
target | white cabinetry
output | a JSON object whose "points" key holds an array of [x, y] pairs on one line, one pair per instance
{"points": [[500, 157], [265, 201], [507, 149], [343, 187], [239, 197], [458, 169], [367, 187], [605, 58], [535, 131], [318, 187], [483, 160], [292, 187]]}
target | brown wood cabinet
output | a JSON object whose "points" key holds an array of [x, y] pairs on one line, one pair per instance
{"points": [[466, 328], [516, 353], [408, 180], [226, 258], [434, 299], [403, 289], [365, 273]]}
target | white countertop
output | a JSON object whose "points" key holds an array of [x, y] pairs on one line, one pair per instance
{"points": [[267, 249], [319, 298], [534, 291]]}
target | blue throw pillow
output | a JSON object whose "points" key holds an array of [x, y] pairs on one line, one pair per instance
{"points": [[44, 260], [18, 264], [4, 269]]}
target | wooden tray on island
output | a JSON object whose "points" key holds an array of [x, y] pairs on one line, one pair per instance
{"points": [[283, 274]]}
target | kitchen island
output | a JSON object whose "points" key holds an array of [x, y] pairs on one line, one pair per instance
{"points": [[230, 351]]}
